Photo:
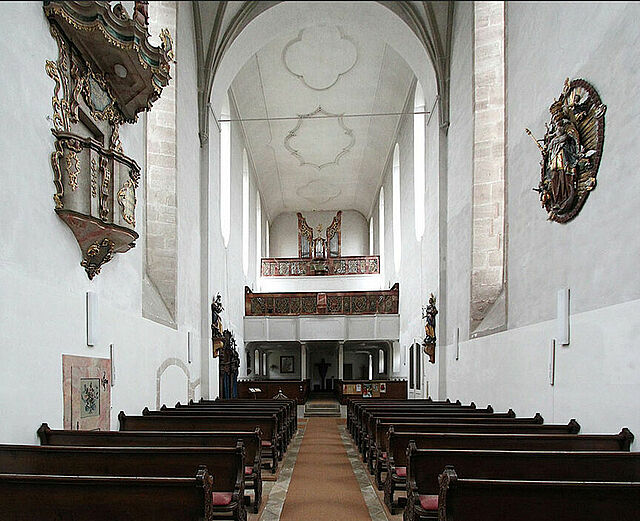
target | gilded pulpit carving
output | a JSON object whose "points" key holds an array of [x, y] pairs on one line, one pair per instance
{"points": [[106, 73]]}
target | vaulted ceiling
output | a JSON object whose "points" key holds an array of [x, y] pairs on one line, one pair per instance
{"points": [[317, 160], [306, 102]]}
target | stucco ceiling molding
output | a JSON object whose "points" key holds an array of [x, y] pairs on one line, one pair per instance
{"points": [[319, 191], [420, 17], [319, 113], [320, 60]]}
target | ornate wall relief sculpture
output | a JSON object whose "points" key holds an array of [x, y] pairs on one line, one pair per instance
{"points": [[105, 75], [571, 150]]}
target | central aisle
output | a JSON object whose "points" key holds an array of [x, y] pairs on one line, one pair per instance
{"points": [[323, 485]]}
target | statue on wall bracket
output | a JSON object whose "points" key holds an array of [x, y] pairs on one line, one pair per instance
{"points": [[571, 150], [217, 333], [429, 343]]}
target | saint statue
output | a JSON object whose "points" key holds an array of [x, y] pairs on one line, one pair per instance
{"points": [[563, 146], [429, 343], [216, 325]]}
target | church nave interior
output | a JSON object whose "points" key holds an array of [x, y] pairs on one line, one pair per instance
{"points": [[289, 261]]}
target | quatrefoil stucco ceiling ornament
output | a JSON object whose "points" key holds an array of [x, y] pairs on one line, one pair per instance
{"points": [[319, 191], [319, 56], [321, 139]]}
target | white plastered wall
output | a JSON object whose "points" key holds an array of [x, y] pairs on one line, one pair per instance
{"points": [[42, 285], [595, 255]]}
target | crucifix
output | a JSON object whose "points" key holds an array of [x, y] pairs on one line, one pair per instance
{"points": [[322, 369]]}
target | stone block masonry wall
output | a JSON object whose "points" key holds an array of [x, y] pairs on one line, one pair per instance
{"points": [[161, 206], [488, 246]]}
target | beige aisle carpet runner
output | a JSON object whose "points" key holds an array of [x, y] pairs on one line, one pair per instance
{"points": [[323, 486]]}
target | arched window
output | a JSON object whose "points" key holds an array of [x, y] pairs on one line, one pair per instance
{"points": [[258, 234], [371, 235], [397, 244], [419, 174], [245, 213], [225, 174], [256, 362], [381, 226], [381, 360]]}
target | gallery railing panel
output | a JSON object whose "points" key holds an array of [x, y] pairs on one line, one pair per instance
{"points": [[296, 267], [384, 302]]}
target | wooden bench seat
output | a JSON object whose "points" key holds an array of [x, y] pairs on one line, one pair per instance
{"points": [[226, 463], [425, 465], [251, 441], [366, 419], [289, 406], [285, 425], [26, 497], [266, 424], [355, 406], [362, 412], [367, 431], [282, 430], [398, 443], [470, 499], [377, 459]]}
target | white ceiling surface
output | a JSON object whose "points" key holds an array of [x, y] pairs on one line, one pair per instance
{"points": [[314, 163]]}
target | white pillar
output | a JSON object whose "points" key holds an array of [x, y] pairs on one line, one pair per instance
{"points": [[303, 361], [340, 360]]}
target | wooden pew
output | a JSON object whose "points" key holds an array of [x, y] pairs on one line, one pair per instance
{"points": [[366, 416], [377, 460], [282, 431], [287, 425], [250, 440], [226, 462], [26, 497], [267, 425], [398, 443], [356, 406], [359, 409], [368, 429], [425, 465], [470, 499], [290, 406]]}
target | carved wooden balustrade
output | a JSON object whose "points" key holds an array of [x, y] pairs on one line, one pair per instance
{"points": [[384, 302], [296, 267]]}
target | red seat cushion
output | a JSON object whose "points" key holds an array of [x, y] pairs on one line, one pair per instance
{"points": [[248, 471], [401, 472], [428, 502], [221, 498], [266, 443]]}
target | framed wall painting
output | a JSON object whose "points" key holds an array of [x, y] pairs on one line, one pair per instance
{"points": [[287, 364], [86, 392]]}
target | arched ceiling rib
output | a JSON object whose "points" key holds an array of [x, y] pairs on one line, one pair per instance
{"points": [[218, 23]]}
